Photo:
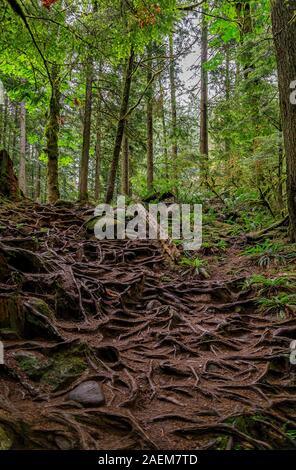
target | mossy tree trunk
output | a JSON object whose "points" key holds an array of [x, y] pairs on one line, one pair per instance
{"points": [[173, 90], [203, 133], [9, 186], [52, 137], [23, 146], [120, 126], [84, 163], [284, 33], [125, 166], [150, 150]]}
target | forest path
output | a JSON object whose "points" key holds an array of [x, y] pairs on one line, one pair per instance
{"points": [[183, 363]]}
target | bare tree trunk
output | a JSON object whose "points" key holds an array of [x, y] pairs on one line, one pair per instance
{"points": [[52, 136], [284, 33], [23, 144], [120, 127], [173, 107], [150, 150], [125, 166], [203, 136], [84, 164]]}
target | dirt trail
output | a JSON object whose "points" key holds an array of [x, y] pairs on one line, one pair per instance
{"points": [[183, 363]]}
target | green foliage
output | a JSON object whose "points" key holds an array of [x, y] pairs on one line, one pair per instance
{"points": [[266, 286], [266, 247], [277, 304], [192, 262]]}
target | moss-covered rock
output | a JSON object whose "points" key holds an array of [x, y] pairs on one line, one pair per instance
{"points": [[6, 440], [26, 317], [66, 366], [34, 365]]}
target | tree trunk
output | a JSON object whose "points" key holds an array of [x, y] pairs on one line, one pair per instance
{"points": [[284, 33], [14, 134], [9, 186], [281, 159], [37, 189], [203, 136], [125, 166], [23, 144], [173, 107], [98, 150], [84, 164], [164, 131], [52, 136], [227, 94], [5, 121], [120, 127], [150, 152]]}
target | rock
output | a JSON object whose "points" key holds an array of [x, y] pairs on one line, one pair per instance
{"points": [[5, 439], [88, 393], [32, 364]]}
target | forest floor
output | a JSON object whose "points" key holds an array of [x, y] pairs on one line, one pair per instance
{"points": [[184, 361]]}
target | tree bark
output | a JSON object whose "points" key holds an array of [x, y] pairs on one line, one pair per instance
{"points": [[23, 144], [52, 136], [150, 150], [173, 107], [37, 188], [164, 131], [125, 166], [120, 127], [98, 150], [284, 33], [84, 163], [203, 136]]}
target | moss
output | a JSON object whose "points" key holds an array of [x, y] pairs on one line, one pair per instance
{"points": [[5, 439], [66, 367], [34, 366]]}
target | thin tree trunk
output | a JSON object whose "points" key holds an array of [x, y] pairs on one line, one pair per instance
{"points": [[84, 164], [23, 144], [14, 137], [52, 136], [173, 107], [227, 93], [37, 189], [5, 122], [164, 131], [125, 166], [120, 127], [98, 150], [150, 150], [204, 139], [284, 33]]}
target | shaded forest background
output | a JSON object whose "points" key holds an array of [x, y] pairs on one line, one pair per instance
{"points": [[139, 98]]}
